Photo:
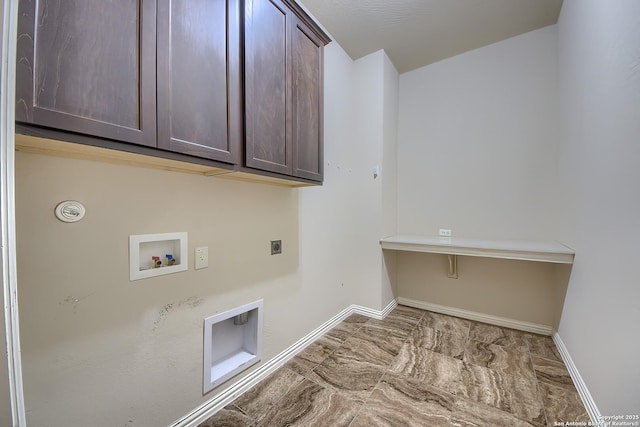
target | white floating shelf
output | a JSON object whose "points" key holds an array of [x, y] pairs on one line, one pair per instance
{"points": [[526, 250]]}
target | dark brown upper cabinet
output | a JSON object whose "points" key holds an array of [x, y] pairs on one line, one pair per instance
{"points": [[88, 67], [283, 90], [204, 82], [199, 95]]}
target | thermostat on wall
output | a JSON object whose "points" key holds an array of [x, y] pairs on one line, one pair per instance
{"points": [[70, 211]]}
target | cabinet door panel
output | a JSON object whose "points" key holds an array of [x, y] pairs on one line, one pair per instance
{"points": [[88, 66], [307, 103], [267, 96], [198, 73]]}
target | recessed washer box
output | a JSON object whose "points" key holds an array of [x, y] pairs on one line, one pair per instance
{"points": [[144, 248], [232, 343]]}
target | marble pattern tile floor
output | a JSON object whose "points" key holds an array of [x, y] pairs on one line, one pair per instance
{"points": [[414, 368]]}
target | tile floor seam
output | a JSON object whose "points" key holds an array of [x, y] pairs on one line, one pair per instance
{"points": [[503, 374], [242, 411], [467, 338], [356, 416], [284, 394], [373, 389], [511, 414], [538, 385], [544, 405]]}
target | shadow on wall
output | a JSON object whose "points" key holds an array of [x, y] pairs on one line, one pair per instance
{"points": [[520, 290]]}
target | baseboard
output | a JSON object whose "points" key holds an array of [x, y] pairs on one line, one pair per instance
{"points": [[479, 317], [376, 314], [583, 391], [207, 409]]}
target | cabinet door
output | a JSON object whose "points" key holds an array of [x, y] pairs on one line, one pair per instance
{"points": [[307, 102], [88, 66], [199, 78], [267, 89]]}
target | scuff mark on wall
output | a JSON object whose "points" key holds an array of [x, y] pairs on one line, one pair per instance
{"points": [[73, 301], [190, 303]]}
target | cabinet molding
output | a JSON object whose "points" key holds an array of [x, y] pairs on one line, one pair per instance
{"points": [[175, 163]]}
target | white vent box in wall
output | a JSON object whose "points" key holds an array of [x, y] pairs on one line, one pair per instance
{"points": [[157, 254], [232, 343]]}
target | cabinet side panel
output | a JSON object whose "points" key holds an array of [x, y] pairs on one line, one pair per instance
{"points": [[87, 60], [266, 87], [306, 112]]}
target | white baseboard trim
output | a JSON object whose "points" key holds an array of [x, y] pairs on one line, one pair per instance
{"points": [[583, 391], [207, 409], [479, 317], [376, 314]]}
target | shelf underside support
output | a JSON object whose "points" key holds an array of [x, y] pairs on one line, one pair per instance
{"points": [[453, 266]]}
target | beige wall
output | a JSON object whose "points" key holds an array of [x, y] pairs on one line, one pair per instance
{"points": [[599, 46], [99, 347], [94, 342], [522, 290]]}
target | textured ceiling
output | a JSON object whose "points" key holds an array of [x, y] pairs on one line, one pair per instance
{"points": [[415, 33]]}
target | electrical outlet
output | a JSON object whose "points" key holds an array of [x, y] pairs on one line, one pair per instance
{"points": [[276, 247], [202, 257], [445, 232]]}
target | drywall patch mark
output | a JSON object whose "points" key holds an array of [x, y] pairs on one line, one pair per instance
{"points": [[73, 302], [190, 303]]}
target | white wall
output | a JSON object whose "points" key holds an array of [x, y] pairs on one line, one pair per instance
{"points": [[5, 402], [389, 174], [339, 221], [477, 153], [375, 107], [101, 348], [368, 100], [477, 142], [599, 65]]}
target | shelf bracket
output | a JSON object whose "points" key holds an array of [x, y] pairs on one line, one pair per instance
{"points": [[453, 266]]}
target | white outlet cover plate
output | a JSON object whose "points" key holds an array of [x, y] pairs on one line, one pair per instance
{"points": [[445, 232], [202, 257]]}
